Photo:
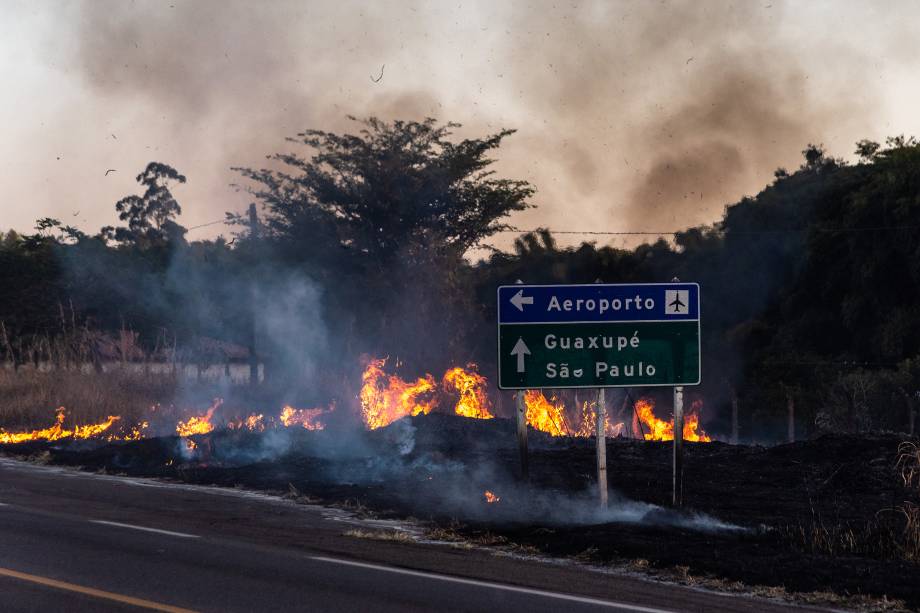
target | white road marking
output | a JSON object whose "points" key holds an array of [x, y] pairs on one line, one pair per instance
{"points": [[144, 528], [496, 586]]}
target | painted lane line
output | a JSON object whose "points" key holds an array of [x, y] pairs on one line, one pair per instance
{"points": [[89, 591], [144, 528], [622, 606]]}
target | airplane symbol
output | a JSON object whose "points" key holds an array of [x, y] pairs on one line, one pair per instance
{"points": [[677, 302]]}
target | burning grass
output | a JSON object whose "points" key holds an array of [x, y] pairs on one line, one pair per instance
{"points": [[459, 476]]}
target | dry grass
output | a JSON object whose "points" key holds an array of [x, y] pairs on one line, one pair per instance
{"points": [[29, 398], [381, 535], [893, 534], [908, 463]]}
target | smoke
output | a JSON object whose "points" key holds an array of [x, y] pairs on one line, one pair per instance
{"points": [[630, 115]]}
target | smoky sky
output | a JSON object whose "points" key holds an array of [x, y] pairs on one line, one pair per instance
{"points": [[630, 115]]}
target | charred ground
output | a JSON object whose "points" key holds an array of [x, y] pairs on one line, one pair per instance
{"points": [[824, 515]]}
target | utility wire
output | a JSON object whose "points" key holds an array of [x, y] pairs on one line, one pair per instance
{"points": [[661, 232], [674, 232], [210, 223]]}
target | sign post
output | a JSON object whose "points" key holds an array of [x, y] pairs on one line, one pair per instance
{"points": [[598, 336], [520, 410], [678, 498], [602, 447]]}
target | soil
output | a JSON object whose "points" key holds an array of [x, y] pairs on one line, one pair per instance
{"points": [[813, 516]]}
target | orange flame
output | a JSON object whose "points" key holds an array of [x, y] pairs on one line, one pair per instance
{"points": [[386, 398], [660, 430], [254, 422], [57, 431], [471, 385], [491, 498], [549, 416], [199, 424], [588, 425], [545, 415], [308, 418]]}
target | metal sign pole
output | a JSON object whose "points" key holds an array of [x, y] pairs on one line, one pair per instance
{"points": [[602, 447], [678, 499], [521, 410]]}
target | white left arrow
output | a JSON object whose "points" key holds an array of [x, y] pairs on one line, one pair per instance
{"points": [[519, 300], [520, 350]]}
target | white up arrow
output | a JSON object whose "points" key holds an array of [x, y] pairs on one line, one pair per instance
{"points": [[520, 350], [519, 300]]}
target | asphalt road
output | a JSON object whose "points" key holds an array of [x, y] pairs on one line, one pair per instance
{"points": [[74, 541]]}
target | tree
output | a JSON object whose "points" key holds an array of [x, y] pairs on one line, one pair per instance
{"points": [[394, 189], [866, 149], [151, 216]]}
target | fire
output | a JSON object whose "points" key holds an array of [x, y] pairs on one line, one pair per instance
{"points": [[386, 398], [136, 432], [588, 425], [255, 422], [660, 430], [549, 416], [544, 414], [57, 431], [308, 418], [199, 424], [491, 498], [471, 385]]}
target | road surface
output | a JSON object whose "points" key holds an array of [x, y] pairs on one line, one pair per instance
{"points": [[75, 541]]}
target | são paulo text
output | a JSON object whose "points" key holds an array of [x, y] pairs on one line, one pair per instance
{"points": [[601, 370]]}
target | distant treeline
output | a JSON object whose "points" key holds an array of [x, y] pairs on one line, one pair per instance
{"points": [[810, 290]]}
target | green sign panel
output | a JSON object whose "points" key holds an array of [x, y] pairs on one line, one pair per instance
{"points": [[598, 335]]}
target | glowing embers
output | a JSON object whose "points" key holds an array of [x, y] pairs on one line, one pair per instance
{"points": [[310, 419]]}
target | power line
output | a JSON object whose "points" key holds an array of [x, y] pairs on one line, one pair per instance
{"points": [[204, 225], [662, 232], [740, 232]]}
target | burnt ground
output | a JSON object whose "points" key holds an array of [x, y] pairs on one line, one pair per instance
{"points": [[818, 515]]}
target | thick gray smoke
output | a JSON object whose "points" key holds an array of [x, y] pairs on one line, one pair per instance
{"points": [[631, 115]]}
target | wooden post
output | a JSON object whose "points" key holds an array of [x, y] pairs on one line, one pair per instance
{"points": [[911, 419], [678, 498], [602, 447], [734, 439], [253, 357], [522, 433], [790, 406]]}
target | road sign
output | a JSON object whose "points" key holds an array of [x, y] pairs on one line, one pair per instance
{"points": [[598, 335]]}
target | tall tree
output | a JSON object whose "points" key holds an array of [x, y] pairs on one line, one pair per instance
{"points": [[389, 190], [150, 217]]}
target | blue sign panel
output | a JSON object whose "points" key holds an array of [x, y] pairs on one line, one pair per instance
{"points": [[598, 302]]}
